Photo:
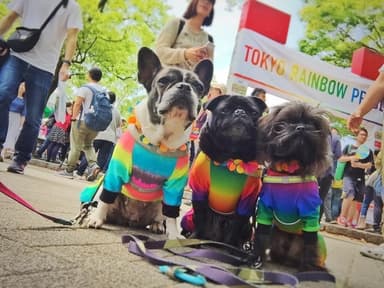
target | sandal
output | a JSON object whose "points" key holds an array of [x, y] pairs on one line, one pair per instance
{"points": [[373, 252]]}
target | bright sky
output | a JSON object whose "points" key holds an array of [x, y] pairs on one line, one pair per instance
{"points": [[224, 29]]}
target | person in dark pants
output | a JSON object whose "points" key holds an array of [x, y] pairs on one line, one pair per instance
{"points": [[325, 182]]}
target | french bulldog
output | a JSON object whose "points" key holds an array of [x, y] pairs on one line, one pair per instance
{"points": [[225, 178], [296, 145], [145, 180]]}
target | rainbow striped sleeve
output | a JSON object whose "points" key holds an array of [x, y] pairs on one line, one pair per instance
{"points": [[120, 166], [173, 187], [199, 178]]}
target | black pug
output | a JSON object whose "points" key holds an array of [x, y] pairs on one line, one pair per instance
{"points": [[295, 142], [225, 176]]}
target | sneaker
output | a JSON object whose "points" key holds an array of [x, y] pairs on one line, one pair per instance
{"points": [[93, 173], [78, 176], [342, 221], [66, 174], [17, 168]]}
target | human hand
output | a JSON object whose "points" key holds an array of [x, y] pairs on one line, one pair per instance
{"points": [[354, 121], [195, 54], [64, 73]]}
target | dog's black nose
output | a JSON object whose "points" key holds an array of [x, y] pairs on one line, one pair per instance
{"points": [[238, 112], [183, 87], [300, 128]]}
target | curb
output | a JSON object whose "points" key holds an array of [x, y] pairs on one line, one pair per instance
{"points": [[354, 233]]}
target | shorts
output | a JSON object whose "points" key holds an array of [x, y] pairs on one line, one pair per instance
{"points": [[354, 188]]}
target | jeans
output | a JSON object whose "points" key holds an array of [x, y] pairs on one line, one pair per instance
{"points": [[368, 197], [377, 210], [335, 202], [37, 84], [105, 150]]}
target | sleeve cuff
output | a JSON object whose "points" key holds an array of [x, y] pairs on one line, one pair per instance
{"points": [[108, 196], [171, 211]]}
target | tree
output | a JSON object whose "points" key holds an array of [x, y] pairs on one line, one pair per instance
{"points": [[334, 29]]}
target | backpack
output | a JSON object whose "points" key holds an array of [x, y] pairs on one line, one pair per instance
{"points": [[100, 115], [181, 25]]}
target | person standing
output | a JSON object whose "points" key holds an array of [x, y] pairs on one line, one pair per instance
{"points": [[36, 67], [104, 142], [374, 95], [16, 120], [58, 134], [354, 180], [185, 48], [81, 137]]}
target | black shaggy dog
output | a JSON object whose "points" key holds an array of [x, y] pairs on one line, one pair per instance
{"points": [[295, 141], [225, 176]]}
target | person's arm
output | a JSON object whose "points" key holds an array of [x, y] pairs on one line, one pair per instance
{"points": [[7, 22], [70, 48], [77, 107], [374, 95]]}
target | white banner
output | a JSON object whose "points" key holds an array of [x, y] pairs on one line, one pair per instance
{"points": [[258, 61]]}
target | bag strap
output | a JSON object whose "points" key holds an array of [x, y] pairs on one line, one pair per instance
{"points": [[239, 277], [52, 14], [180, 28]]}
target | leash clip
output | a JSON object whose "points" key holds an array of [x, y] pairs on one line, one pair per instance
{"points": [[183, 274]]}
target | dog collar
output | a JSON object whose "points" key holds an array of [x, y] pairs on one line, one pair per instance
{"points": [[251, 168], [286, 167], [144, 141]]}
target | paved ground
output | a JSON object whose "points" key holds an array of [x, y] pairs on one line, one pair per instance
{"points": [[35, 252]]}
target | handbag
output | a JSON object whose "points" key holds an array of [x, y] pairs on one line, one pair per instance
{"points": [[24, 39]]}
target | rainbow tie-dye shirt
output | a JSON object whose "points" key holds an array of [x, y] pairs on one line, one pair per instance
{"points": [[290, 202], [140, 173], [226, 190]]}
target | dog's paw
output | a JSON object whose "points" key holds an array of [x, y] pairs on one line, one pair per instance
{"points": [[172, 232], [157, 227], [98, 216]]}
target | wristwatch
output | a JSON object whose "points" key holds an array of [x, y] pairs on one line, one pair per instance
{"points": [[67, 62]]}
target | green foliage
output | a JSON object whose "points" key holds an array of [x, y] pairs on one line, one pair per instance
{"points": [[334, 29]]}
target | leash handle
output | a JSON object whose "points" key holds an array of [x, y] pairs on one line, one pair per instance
{"points": [[214, 273], [7, 192]]}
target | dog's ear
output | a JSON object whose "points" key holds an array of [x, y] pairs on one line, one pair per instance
{"points": [[148, 66], [212, 104], [204, 70], [259, 103]]}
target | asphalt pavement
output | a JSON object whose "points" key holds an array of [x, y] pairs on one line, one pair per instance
{"points": [[35, 252]]}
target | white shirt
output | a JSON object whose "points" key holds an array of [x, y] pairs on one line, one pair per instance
{"points": [[33, 13], [86, 93]]}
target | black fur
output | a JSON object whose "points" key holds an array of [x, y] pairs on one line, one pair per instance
{"points": [[231, 131], [297, 131]]}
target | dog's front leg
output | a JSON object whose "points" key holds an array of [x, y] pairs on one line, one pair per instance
{"points": [[171, 228], [99, 215], [262, 236]]}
